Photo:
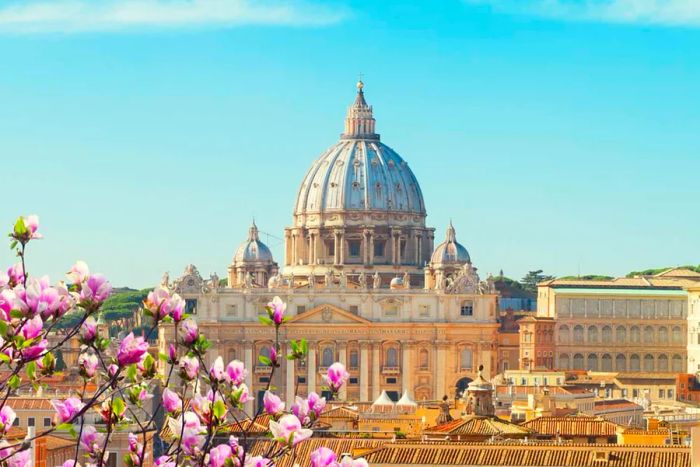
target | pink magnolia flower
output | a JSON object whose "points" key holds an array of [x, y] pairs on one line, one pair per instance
{"points": [[66, 300], [348, 461], [7, 301], [219, 454], [79, 272], [4, 280], [71, 463], [31, 222], [88, 364], [112, 370], [21, 458], [91, 441], [189, 331], [7, 418], [135, 449], [95, 290], [171, 401], [88, 330], [162, 304], [189, 367], [316, 404], [131, 350], [273, 355], [273, 404], [258, 461], [32, 327], [37, 298], [300, 408], [35, 351], [336, 376], [288, 430], [192, 438], [323, 457], [164, 461], [235, 372], [276, 309], [15, 274], [216, 372], [67, 410], [172, 353], [240, 394]]}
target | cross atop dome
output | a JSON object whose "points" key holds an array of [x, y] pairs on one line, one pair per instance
{"points": [[359, 122], [253, 233]]}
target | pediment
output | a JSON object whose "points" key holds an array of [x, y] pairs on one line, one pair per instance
{"points": [[328, 314]]}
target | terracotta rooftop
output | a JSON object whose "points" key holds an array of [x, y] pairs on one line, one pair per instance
{"points": [[517, 454], [478, 426], [56, 442], [667, 279], [353, 446], [572, 426], [30, 403], [616, 404], [342, 413]]}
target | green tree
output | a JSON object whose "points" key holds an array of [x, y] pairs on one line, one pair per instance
{"points": [[532, 278]]}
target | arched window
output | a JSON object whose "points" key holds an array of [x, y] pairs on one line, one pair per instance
{"points": [[663, 335], [578, 334], [354, 360], [607, 334], [607, 362], [424, 359], [265, 351], [592, 334], [392, 357], [676, 337], [578, 362], [466, 359], [564, 337], [634, 334], [620, 334], [676, 363], [620, 363], [634, 363], [648, 335], [648, 362], [564, 362], [327, 357], [662, 363], [592, 362]]}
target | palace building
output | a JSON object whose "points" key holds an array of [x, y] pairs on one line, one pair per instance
{"points": [[362, 280]]}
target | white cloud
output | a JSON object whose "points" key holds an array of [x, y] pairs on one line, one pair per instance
{"points": [[657, 12], [74, 16]]}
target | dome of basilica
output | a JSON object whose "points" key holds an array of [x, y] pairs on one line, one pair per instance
{"points": [[359, 173], [253, 250], [450, 251]]}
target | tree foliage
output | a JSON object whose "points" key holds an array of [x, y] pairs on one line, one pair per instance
{"points": [[532, 278]]}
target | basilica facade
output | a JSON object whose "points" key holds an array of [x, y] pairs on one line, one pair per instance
{"points": [[363, 281]]}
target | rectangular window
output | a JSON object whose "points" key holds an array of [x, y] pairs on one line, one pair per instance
{"points": [[391, 381], [47, 421], [635, 392], [467, 308], [301, 379], [354, 381], [354, 248], [264, 379], [31, 421], [424, 311], [191, 306], [670, 394], [661, 393], [354, 309], [379, 248], [16, 422], [330, 248], [232, 310], [301, 309]]}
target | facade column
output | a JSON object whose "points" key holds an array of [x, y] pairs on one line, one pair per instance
{"points": [[318, 246], [342, 248], [310, 249], [248, 362], [376, 386], [336, 247], [417, 246], [343, 358], [440, 362], [311, 367], [371, 247], [364, 371], [407, 368], [291, 380]]}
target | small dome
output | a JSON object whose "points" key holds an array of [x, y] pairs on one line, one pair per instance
{"points": [[253, 250], [480, 383], [396, 283], [450, 251]]}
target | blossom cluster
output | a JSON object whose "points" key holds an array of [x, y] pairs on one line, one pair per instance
{"points": [[198, 401]]}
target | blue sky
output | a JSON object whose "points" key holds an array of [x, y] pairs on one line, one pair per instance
{"points": [[558, 135]]}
